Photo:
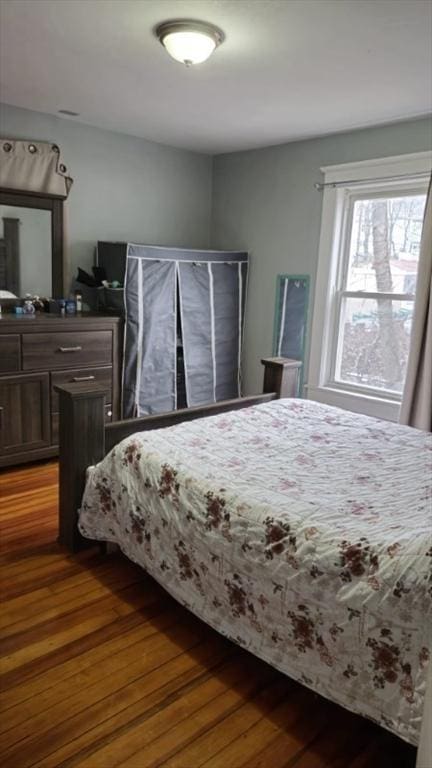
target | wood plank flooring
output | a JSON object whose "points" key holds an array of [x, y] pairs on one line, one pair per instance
{"points": [[100, 668]]}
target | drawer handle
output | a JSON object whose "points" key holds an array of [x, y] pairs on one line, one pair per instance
{"points": [[83, 378], [70, 349]]}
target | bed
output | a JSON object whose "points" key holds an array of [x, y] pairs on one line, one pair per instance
{"points": [[300, 531]]}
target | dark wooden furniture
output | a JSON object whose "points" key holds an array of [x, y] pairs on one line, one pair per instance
{"points": [[85, 438], [38, 353], [282, 375], [54, 204]]}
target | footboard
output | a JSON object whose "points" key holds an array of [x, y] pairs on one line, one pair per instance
{"points": [[85, 438]]}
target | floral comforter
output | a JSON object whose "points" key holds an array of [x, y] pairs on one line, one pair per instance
{"points": [[300, 531]]}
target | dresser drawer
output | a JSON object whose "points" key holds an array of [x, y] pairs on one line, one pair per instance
{"points": [[55, 417], [10, 353], [99, 375], [24, 410], [66, 350]]}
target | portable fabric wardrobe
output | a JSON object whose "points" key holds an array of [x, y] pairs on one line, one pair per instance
{"points": [[192, 299]]}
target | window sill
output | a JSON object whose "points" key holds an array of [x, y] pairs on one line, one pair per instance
{"points": [[369, 405]]}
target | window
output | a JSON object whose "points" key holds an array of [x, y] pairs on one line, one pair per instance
{"points": [[376, 295], [368, 261]]}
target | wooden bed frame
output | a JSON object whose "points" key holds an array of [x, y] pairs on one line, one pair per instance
{"points": [[85, 438]]}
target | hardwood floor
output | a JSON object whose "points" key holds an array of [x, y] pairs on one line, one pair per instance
{"points": [[101, 668]]}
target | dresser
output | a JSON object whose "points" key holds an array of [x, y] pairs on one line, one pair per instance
{"points": [[36, 353]]}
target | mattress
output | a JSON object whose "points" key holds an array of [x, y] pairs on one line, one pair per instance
{"points": [[300, 531]]}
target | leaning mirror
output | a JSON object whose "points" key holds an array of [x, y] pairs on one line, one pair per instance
{"points": [[291, 309]]}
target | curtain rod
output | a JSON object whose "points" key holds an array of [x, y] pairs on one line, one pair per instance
{"points": [[322, 185]]}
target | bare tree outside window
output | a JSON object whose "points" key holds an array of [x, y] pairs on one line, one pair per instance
{"points": [[377, 297]]}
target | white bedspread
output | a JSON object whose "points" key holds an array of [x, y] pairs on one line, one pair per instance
{"points": [[300, 531]]}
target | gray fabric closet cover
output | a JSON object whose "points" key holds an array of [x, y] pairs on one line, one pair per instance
{"points": [[197, 331], [149, 375], [212, 287], [228, 290]]}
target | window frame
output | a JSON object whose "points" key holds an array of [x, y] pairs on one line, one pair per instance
{"points": [[373, 178]]}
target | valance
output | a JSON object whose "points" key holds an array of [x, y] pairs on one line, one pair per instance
{"points": [[33, 166]]}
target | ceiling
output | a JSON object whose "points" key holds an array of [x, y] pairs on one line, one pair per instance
{"points": [[289, 69]]}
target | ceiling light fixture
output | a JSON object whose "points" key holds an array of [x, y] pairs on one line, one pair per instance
{"points": [[190, 42]]}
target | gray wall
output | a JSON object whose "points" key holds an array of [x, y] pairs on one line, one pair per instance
{"points": [[264, 201], [125, 188]]}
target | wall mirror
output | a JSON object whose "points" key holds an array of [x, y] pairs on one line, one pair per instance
{"points": [[31, 245]]}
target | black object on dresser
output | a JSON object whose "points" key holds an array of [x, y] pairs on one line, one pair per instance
{"points": [[38, 352]]}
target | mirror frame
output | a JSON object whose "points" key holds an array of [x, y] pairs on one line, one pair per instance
{"points": [[279, 309], [53, 203]]}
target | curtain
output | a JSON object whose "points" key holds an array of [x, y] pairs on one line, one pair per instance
{"points": [[33, 166], [416, 409]]}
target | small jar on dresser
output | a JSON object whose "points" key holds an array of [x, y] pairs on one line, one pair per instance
{"points": [[36, 353]]}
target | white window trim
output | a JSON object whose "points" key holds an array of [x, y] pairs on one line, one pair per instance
{"points": [[332, 236]]}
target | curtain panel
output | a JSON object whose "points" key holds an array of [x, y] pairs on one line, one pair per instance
{"points": [[33, 166], [416, 409]]}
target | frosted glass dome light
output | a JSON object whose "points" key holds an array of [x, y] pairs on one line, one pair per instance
{"points": [[190, 42], [189, 47]]}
